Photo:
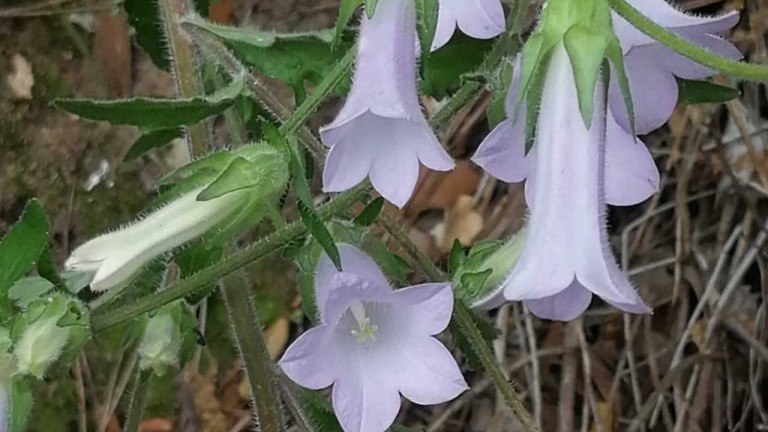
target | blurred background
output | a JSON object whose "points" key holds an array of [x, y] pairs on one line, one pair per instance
{"points": [[674, 370]]}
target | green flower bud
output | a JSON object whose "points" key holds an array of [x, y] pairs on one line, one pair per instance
{"points": [[161, 342], [40, 345]]}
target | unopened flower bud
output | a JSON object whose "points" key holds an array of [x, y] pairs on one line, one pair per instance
{"points": [[41, 344], [161, 342]]}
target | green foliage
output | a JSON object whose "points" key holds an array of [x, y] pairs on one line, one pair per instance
{"points": [[153, 139], [19, 251], [21, 405], [144, 17], [696, 92], [291, 58], [346, 11], [426, 25], [369, 214], [153, 114], [444, 69]]}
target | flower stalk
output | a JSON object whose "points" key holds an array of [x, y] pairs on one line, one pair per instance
{"points": [[736, 69]]}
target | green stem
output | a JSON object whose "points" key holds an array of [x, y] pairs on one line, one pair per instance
{"points": [[137, 400], [467, 327], [187, 78], [253, 351], [203, 278], [736, 69], [335, 77]]}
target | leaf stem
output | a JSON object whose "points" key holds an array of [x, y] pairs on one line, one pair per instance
{"points": [[736, 69], [185, 72], [137, 400], [200, 280], [250, 341]]}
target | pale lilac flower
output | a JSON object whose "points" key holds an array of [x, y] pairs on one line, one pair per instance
{"points": [[381, 131], [651, 67], [480, 19], [571, 173], [374, 344]]}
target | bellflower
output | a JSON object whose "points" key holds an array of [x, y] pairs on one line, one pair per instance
{"points": [[651, 67], [381, 131], [480, 19], [575, 169], [117, 256], [374, 344]]}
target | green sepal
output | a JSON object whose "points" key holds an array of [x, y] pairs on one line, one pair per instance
{"points": [[615, 55], [586, 50], [426, 25], [370, 7], [346, 11]]}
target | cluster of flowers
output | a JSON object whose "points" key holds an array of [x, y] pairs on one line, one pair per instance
{"points": [[374, 343]]}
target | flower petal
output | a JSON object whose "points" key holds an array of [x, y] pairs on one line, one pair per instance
{"points": [[428, 373], [480, 19], [347, 164], [363, 403], [653, 88], [309, 362], [502, 152], [427, 307], [563, 306], [353, 262], [631, 175]]}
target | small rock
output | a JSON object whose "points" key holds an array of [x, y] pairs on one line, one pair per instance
{"points": [[21, 80]]}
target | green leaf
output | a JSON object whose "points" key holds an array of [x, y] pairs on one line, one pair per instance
{"points": [[616, 57], [369, 214], [319, 232], [155, 113], [346, 11], [29, 289], [370, 7], [586, 50], [152, 139], [456, 258], [46, 268], [443, 70], [20, 405], [696, 92], [426, 25], [144, 17], [20, 249], [291, 58]]}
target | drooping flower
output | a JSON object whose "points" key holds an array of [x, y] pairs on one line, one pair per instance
{"points": [[573, 171], [374, 344], [480, 19], [651, 67], [381, 131]]}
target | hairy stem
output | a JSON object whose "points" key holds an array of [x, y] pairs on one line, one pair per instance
{"points": [[253, 351], [184, 68], [137, 400], [203, 278], [736, 69]]}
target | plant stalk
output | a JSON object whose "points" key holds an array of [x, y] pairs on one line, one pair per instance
{"points": [[137, 400], [184, 69], [250, 341]]}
